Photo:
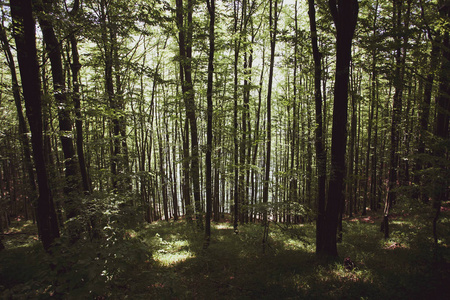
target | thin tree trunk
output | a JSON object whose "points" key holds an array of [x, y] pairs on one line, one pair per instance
{"points": [[396, 116], [319, 139], [424, 107], [23, 128], [109, 87], [293, 183], [237, 45], [442, 121], [75, 67], [209, 138], [371, 116], [162, 173], [273, 21]]}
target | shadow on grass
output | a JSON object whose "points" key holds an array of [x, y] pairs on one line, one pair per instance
{"points": [[234, 266]]}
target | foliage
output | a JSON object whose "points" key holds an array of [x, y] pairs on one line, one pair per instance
{"points": [[90, 267], [166, 260]]}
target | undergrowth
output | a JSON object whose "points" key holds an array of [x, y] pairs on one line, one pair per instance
{"points": [[166, 260]]}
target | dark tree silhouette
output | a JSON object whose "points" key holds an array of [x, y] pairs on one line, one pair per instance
{"points": [[25, 37]]}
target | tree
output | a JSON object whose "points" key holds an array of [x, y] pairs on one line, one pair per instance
{"points": [[237, 48], [72, 186], [25, 36], [345, 15], [212, 15], [400, 53], [442, 121], [108, 36], [23, 128], [273, 21], [185, 50], [75, 68], [320, 151]]}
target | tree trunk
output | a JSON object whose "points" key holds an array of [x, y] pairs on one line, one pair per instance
{"points": [[255, 185], [185, 46], [162, 172], [345, 14], [273, 21], [75, 67], [319, 143], [72, 188], [25, 37], [442, 121], [373, 100], [209, 136], [396, 115], [237, 47]]}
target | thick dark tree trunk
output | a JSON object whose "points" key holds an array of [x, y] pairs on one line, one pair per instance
{"points": [[319, 143], [25, 37], [185, 46], [345, 15], [72, 188]]}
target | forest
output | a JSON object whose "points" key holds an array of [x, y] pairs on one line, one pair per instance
{"points": [[225, 149]]}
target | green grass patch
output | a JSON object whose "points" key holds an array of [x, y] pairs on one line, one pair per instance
{"points": [[166, 260]]}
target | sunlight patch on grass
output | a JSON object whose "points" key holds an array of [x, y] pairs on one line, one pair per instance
{"points": [[222, 226], [166, 259], [291, 244], [28, 241], [21, 234], [171, 250], [341, 274], [391, 245], [401, 222]]}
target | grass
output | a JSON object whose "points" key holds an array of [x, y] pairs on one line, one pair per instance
{"points": [[166, 260]]}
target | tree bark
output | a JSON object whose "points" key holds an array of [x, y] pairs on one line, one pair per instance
{"points": [[25, 37], [237, 47], [185, 46], [396, 116], [319, 140], [209, 135], [442, 121], [75, 67], [72, 188], [162, 172], [345, 15], [273, 21]]}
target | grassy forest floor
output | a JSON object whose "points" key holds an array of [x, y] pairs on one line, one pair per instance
{"points": [[166, 260]]}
